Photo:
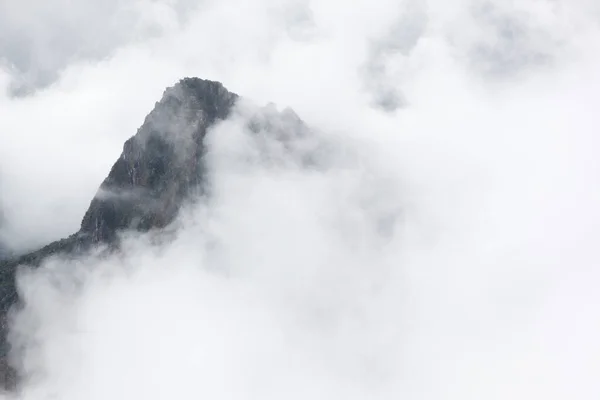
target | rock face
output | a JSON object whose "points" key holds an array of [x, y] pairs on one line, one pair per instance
{"points": [[158, 168], [160, 164]]}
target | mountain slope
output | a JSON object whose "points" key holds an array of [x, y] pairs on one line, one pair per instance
{"points": [[160, 166]]}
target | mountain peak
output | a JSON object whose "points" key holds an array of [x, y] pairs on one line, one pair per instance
{"points": [[161, 163], [159, 167]]}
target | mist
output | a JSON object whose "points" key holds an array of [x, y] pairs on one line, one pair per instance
{"points": [[442, 243]]}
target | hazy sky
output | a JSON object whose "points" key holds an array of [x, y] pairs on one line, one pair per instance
{"points": [[447, 251]]}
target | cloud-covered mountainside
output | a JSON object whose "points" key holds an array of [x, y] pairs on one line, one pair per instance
{"points": [[160, 169], [427, 229]]}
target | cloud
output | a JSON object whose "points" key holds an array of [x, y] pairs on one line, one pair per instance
{"points": [[445, 250], [44, 38]]}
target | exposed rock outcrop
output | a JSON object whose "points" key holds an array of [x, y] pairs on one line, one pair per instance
{"points": [[159, 167]]}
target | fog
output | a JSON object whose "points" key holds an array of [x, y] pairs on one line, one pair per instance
{"points": [[443, 247]]}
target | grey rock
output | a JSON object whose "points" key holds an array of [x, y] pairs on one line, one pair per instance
{"points": [[160, 166]]}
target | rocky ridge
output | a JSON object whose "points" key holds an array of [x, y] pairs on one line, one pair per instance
{"points": [[160, 166]]}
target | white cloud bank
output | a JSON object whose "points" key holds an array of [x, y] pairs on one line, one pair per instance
{"points": [[448, 252]]}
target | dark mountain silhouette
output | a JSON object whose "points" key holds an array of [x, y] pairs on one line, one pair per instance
{"points": [[160, 166]]}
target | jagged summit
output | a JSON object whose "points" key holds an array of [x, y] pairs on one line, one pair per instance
{"points": [[161, 163], [159, 167]]}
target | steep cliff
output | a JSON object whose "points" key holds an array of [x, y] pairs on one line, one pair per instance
{"points": [[159, 167]]}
